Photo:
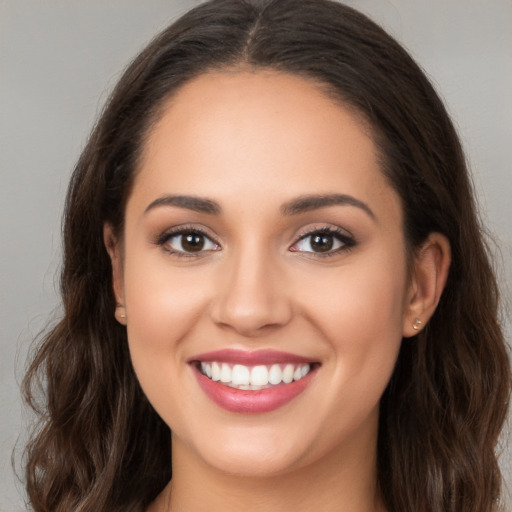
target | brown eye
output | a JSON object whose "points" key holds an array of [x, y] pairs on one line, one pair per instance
{"points": [[187, 243], [322, 242], [192, 242]]}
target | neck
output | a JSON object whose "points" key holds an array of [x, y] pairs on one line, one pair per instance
{"points": [[343, 480]]}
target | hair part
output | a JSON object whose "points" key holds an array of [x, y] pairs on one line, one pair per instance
{"points": [[101, 446]]}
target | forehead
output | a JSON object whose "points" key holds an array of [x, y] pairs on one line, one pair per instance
{"points": [[239, 102], [262, 131]]}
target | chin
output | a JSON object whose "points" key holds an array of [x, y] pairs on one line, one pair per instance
{"points": [[258, 454], [253, 464]]}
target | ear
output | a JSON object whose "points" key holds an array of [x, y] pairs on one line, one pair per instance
{"points": [[114, 249], [429, 274]]}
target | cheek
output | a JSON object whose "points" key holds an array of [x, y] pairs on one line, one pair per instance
{"points": [[367, 297], [163, 306], [360, 321], [160, 295], [359, 310]]}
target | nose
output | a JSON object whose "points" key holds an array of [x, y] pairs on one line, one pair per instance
{"points": [[252, 297]]}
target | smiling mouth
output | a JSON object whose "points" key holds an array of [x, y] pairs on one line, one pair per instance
{"points": [[253, 378], [248, 382]]}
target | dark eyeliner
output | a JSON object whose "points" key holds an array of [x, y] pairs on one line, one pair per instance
{"points": [[347, 240], [164, 237]]}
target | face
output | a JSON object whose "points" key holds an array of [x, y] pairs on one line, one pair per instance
{"points": [[263, 274]]}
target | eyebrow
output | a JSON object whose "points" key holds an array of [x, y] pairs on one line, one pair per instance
{"points": [[196, 204], [314, 202], [296, 206]]}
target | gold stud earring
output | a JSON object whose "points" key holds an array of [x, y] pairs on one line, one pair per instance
{"points": [[120, 317], [417, 324]]}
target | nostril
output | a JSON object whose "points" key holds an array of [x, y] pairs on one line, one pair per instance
{"points": [[251, 319]]}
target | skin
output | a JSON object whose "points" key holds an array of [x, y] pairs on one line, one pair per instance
{"points": [[252, 141]]}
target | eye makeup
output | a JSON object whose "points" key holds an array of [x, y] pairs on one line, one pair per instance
{"points": [[192, 241], [324, 241]]}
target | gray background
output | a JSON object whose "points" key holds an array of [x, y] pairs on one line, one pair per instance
{"points": [[59, 59]]}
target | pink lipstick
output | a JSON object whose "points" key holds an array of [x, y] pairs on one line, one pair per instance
{"points": [[252, 381]]}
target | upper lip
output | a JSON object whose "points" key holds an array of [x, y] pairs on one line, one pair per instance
{"points": [[250, 357]]}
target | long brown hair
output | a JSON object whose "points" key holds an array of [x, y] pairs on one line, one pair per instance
{"points": [[100, 446]]}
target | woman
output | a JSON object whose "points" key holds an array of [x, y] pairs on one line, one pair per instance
{"points": [[272, 250]]}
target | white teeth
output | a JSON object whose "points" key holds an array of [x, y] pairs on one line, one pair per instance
{"points": [[256, 377], [259, 376], [215, 372], [288, 373], [225, 373], [275, 375], [240, 375], [207, 369]]}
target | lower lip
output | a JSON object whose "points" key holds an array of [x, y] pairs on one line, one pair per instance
{"points": [[244, 401]]}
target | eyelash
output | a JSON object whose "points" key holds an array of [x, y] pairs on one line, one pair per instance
{"points": [[345, 239], [164, 238]]}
